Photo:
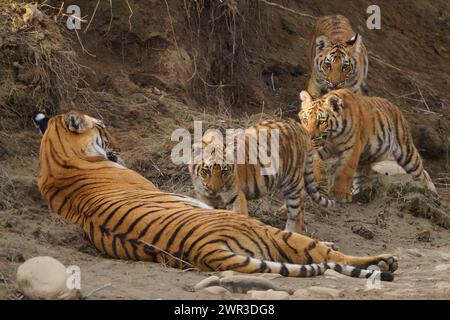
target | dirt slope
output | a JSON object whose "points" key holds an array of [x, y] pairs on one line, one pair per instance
{"points": [[225, 64]]}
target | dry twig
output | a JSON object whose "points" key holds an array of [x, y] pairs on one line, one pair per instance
{"points": [[279, 6], [167, 253]]}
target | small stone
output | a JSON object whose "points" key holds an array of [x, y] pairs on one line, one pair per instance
{"points": [[442, 267], [227, 273], [335, 274], [424, 236], [242, 284], [270, 276], [388, 168], [301, 294], [156, 91], [217, 290], [414, 253], [444, 256], [44, 278], [208, 282], [332, 293], [269, 295], [363, 231]]}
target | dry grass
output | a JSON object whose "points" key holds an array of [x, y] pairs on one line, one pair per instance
{"points": [[8, 195], [39, 69]]}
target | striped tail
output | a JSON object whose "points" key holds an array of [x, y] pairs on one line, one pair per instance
{"points": [[312, 187], [302, 270]]}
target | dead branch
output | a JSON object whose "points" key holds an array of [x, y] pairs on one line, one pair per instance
{"points": [[97, 290], [92, 17], [279, 6], [167, 253], [82, 46], [131, 14]]}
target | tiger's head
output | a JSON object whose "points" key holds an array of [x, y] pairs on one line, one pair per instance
{"points": [[77, 135], [323, 118], [212, 174], [336, 63]]}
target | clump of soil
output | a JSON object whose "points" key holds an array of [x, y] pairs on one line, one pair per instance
{"points": [[407, 195], [37, 64]]}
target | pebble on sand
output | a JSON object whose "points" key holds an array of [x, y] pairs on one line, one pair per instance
{"points": [[44, 278]]}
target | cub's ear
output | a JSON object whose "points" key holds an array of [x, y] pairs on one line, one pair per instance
{"points": [[321, 43], [305, 96], [336, 103], [77, 122], [40, 120], [355, 42]]}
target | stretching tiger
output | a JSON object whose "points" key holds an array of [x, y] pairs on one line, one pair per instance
{"points": [[338, 56], [125, 216], [359, 131], [230, 185]]}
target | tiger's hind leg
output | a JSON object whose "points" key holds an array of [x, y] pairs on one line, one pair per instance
{"points": [[295, 208], [345, 170], [362, 173], [409, 159]]}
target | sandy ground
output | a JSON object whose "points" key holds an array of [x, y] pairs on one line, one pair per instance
{"points": [[423, 247]]}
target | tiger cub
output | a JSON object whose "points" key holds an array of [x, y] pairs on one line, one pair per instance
{"points": [[230, 185], [338, 56], [359, 131]]}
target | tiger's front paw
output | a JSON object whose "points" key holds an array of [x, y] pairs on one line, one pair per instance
{"points": [[341, 195], [388, 262]]}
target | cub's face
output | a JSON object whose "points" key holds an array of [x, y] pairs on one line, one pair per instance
{"points": [[336, 64], [215, 178], [338, 69], [321, 117]]}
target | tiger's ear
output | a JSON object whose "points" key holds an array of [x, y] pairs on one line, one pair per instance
{"points": [[321, 43], [77, 122], [336, 103], [355, 43], [40, 121]]}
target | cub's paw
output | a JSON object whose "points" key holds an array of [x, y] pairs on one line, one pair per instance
{"points": [[340, 195], [282, 211]]}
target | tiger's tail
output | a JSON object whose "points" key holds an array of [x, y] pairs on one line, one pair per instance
{"points": [[311, 186], [247, 264]]}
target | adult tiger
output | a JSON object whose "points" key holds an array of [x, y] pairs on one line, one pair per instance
{"points": [[359, 131], [125, 216], [229, 184], [338, 56]]}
